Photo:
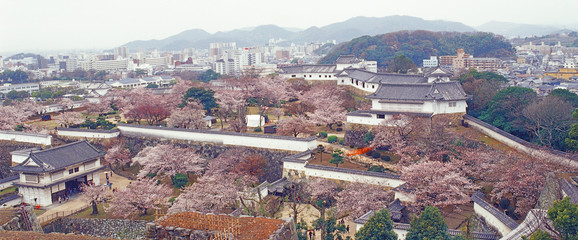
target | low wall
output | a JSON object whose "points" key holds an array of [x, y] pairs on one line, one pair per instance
{"points": [[26, 137], [7, 182], [225, 138], [520, 144], [493, 216], [105, 228], [295, 168], [87, 133]]}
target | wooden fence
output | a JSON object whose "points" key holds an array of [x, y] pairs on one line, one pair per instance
{"points": [[44, 219]]}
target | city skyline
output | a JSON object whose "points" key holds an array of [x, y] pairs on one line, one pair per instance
{"points": [[58, 25]]}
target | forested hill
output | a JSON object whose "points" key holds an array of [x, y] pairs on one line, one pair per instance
{"points": [[419, 45]]}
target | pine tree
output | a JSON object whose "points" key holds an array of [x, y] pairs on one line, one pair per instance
{"points": [[379, 226]]}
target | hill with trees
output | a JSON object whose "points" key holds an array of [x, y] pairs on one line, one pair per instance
{"points": [[419, 45]]}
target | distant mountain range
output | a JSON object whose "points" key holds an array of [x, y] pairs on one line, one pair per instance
{"points": [[341, 32]]}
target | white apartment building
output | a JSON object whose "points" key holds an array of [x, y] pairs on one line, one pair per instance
{"points": [[431, 62]]}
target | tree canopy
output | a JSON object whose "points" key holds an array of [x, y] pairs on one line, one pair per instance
{"points": [[419, 45], [564, 214], [429, 225], [206, 97], [209, 75], [506, 107], [378, 227]]}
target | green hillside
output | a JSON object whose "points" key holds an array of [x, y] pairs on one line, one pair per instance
{"points": [[419, 45]]}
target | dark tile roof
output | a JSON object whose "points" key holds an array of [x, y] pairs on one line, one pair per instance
{"points": [[278, 186], [311, 138], [309, 68], [372, 77], [367, 113], [404, 226], [9, 179], [448, 91], [88, 130], [478, 198], [60, 157], [346, 59]]}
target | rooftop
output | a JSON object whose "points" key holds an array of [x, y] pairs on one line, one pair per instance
{"points": [[59, 157], [447, 91], [250, 228]]}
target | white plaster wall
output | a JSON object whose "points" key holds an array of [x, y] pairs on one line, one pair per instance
{"points": [[492, 220], [367, 120], [530, 151], [400, 233], [403, 107], [247, 141], [12, 203], [87, 134], [43, 196], [7, 184], [349, 177], [19, 158], [26, 137], [441, 107]]}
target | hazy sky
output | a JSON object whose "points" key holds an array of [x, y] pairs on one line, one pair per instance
{"points": [[34, 25]]}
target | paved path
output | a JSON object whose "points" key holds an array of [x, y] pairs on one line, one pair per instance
{"points": [[76, 201]]}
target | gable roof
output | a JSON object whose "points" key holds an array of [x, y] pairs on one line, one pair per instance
{"points": [[372, 77], [447, 91], [59, 157], [347, 59], [309, 68]]}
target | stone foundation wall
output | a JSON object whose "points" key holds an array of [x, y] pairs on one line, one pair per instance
{"points": [[106, 228], [17, 223]]}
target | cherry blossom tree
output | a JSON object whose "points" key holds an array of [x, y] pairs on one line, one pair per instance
{"points": [[322, 189], [278, 112], [118, 155], [237, 161], [328, 100], [521, 181], [358, 198], [95, 194], [97, 107], [67, 103], [151, 112], [138, 197], [213, 193], [17, 113], [190, 116], [231, 104], [168, 160], [68, 119], [294, 126], [438, 184], [11, 116]]}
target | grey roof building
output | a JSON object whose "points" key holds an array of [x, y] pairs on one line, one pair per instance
{"points": [[47, 175]]}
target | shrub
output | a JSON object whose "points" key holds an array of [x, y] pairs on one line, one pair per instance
{"points": [[151, 175], [369, 153], [504, 203], [172, 199], [377, 169], [257, 129], [341, 141], [332, 139], [385, 158], [322, 134], [376, 155], [180, 180], [368, 137], [339, 129]]}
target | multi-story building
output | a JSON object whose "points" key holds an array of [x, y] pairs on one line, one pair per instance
{"points": [[431, 62], [51, 174], [121, 52], [463, 60], [28, 87]]}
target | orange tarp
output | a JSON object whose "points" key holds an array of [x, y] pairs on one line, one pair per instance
{"points": [[359, 151]]}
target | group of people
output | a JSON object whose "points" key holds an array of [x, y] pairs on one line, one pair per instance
{"points": [[312, 232]]}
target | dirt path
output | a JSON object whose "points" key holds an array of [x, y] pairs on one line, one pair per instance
{"points": [[309, 214], [76, 201]]}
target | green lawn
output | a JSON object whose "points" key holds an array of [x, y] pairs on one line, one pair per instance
{"points": [[8, 190]]}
